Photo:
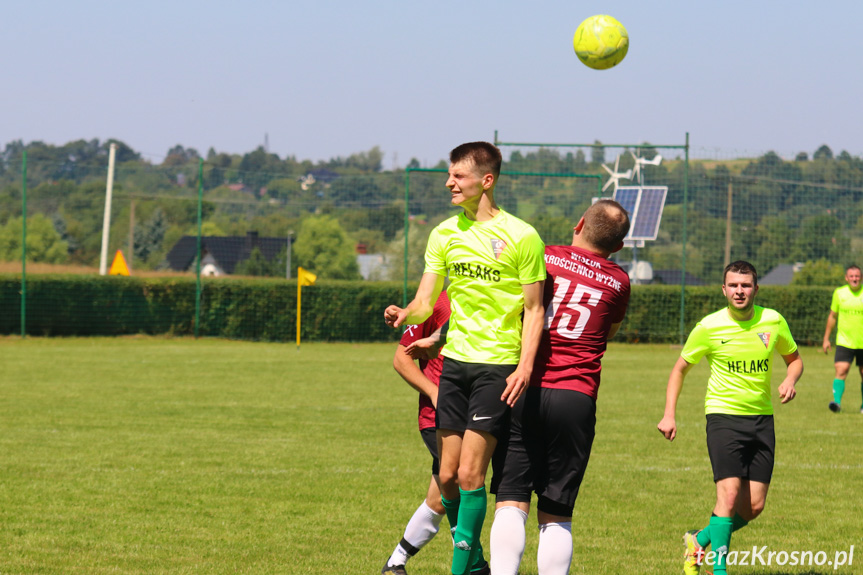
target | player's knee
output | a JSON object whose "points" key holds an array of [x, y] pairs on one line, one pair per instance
{"points": [[448, 478], [726, 501], [755, 510], [470, 479]]}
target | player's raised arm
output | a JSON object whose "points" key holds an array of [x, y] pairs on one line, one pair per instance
{"points": [[793, 372], [420, 307], [668, 425], [531, 332]]}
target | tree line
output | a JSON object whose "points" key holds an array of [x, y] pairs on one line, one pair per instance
{"points": [[783, 211]]}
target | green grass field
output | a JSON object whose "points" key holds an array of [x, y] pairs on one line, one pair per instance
{"points": [[179, 456]]}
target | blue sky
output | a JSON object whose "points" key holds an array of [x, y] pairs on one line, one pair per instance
{"points": [[331, 78]]}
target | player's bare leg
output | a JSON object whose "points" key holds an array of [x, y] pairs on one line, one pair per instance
{"points": [[751, 499], [449, 447]]}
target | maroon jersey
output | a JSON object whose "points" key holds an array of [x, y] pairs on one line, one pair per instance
{"points": [[584, 294], [431, 368]]}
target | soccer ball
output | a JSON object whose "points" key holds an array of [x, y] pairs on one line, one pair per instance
{"points": [[601, 42]]}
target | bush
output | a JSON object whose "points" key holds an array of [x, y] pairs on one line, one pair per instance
{"points": [[266, 308]]}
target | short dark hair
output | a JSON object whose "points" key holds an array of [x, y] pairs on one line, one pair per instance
{"points": [[485, 156], [741, 267], [852, 267], [606, 223]]}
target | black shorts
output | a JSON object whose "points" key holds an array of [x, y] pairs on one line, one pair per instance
{"points": [[469, 397], [429, 435], [547, 451], [848, 355], [741, 446]]}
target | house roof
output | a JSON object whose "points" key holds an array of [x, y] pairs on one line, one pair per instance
{"points": [[228, 251], [781, 275]]}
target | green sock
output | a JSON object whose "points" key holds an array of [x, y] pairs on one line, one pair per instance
{"points": [[451, 508], [720, 535], [471, 515], [703, 536], [838, 390], [480, 561]]}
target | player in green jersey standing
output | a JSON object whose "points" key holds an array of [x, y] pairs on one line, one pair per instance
{"points": [[739, 342], [496, 267], [846, 311]]}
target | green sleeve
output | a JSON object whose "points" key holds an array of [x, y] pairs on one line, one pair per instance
{"points": [[834, 303], [785, 343], [531, 267], [435, 257], [697, 345]]}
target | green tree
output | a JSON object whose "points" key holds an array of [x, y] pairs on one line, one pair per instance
{"points": [[823, 153], [258, 265], [417, 240], [324, 247], [149, 237], [819, 273], [597, 153], [44, 243], [774, 237], [820, 237], [554, 230]]}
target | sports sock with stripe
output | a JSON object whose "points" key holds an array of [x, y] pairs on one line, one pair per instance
{"points": [[421, 529]]}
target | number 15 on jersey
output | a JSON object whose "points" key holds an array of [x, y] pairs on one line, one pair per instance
{"points": [[570, 318]]}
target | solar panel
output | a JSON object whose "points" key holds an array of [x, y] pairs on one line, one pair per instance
{"points": [[628, 198], [645, 207]]}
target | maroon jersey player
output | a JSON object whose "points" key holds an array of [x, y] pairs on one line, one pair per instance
{"points": [[416, 343], [552, 428]]}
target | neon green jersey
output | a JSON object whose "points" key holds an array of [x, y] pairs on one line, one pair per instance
{"points": [[848, 306], [487, 263], [741, 359]]}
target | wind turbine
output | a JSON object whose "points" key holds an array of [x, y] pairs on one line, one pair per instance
{"points": [[615, 175], [637, 173]]}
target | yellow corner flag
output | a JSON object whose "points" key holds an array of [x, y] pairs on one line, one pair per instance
{"points": [[119, 267], [304, 278]]}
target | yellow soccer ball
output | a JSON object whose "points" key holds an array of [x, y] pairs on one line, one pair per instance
{"points": [[601, 42]]}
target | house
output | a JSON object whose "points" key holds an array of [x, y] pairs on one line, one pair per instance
{"points": [[781, 275], [221, 254]]}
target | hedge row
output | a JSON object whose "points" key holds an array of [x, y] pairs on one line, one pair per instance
{"points": [[265, 309], [654, 310]]}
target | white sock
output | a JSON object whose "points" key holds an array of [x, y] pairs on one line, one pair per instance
{"points": [[554, 554], [507, 540], [421, 529]]}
